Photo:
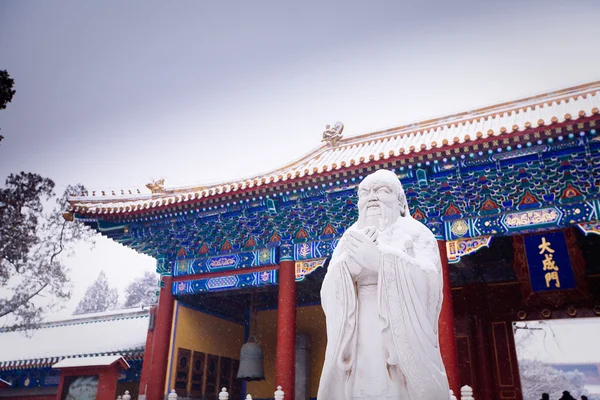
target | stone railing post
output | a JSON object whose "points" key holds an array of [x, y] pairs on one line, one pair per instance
{"points": [[248, 397], [172, 395], [223, 395], [466, 393], [279, 393], [127, 396], [452, 396]]}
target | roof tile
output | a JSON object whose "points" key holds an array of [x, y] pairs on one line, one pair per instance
{"points": [[518, 116]]}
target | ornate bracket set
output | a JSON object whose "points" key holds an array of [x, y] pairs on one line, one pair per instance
{"points": [[468, 237], [535, 182], [310, 256]]}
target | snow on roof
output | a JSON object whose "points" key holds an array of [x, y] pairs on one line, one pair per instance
{"points": [[592, 389], [98, 315], [111, 333], [542, 111], [99, 361]]}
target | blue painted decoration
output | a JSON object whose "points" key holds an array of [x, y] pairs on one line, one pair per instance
{"points": [[316, 249], [239, 281], [518, 190], [228, 262]]}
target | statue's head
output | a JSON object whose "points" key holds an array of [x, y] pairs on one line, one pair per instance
{"points": [[381, 200]]}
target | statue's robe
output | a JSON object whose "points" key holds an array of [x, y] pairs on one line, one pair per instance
{"points": [[409, 298]]}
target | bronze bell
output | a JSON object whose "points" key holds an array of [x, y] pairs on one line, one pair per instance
{"points": [[251, 362]]}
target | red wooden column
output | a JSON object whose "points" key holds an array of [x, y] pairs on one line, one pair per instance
{"points": [[155, 383], [446, 326], [107, 383], [286, 329]]}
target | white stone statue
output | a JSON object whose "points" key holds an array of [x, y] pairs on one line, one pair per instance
{"points": [[382, 296]]}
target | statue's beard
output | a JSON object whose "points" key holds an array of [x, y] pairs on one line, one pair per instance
{"points": [[378, 216]]}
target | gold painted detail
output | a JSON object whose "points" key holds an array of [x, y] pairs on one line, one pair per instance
{"points": [[306, 267], [459, 228], [157, 186], [528, 218], [590, 227], [68, 216], [333, 134], [549, 264], [182, 267], [222, 262], [462, 247]]}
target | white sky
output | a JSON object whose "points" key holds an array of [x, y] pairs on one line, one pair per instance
{"points": [[112, 94], [567, 341]]}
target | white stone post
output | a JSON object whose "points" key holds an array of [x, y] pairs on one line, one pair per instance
{"points": [[279, 393], [248, 397], [119, 398], [452, 396], [466, 393], [172, 395], [224, 395], [127, 396]]}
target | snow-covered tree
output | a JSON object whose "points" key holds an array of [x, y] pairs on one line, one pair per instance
{"points": [[538, 378], [98, 297], [33, 243], [34, 240], [142, 291]]}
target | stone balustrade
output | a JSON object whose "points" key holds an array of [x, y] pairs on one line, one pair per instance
{"points": [[466, 393]]}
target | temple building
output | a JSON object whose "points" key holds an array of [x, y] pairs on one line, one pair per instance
{"points": [[31, 356], [511, 191]]}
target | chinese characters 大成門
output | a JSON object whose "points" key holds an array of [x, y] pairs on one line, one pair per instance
{"points": [[549, 263]]}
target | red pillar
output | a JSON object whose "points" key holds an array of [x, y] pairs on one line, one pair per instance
{"points": [[286, 329], [155, 382], [446, 326], [107, 383]]}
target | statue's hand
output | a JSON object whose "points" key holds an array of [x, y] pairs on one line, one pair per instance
{"points": [[362, 248]]}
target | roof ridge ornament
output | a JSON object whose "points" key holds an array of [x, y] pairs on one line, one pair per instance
{"points": [[333, 134], [157, 186]]}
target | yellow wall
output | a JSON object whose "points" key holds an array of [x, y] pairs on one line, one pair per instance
{"points": [[310, 320], [197, 331]]}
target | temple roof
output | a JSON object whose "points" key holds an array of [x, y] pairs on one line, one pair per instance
{"points": [[507, 119], [96, 361], [113, 333]]}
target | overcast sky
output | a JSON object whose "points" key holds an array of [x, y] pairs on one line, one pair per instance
{"points": [[572, 340], [112, 94]]}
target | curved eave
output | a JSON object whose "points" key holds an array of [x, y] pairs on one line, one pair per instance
{"points": [[128, 354], [542, 112]]}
